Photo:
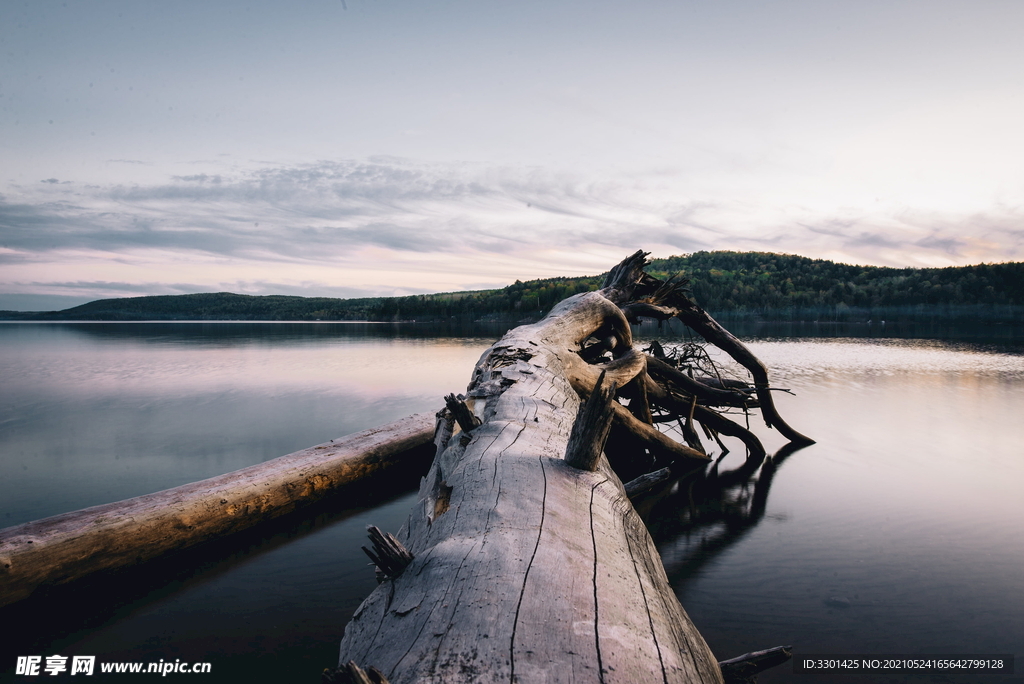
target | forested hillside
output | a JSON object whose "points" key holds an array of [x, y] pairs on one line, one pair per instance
{"points": [[730, 281], [768, 285], [223, 306], [726, 283]]}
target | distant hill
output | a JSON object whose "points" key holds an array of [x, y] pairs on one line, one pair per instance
{"points": [[728, 284], [220, 306], [764, 282]]}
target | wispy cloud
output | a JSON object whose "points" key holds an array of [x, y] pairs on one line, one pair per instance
{"points": [[387, 225]]}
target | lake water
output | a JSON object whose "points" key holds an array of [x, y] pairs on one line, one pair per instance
{"points": [[900, 531]]}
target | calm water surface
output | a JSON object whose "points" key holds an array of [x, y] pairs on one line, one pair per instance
{"points": [[899, 531]]}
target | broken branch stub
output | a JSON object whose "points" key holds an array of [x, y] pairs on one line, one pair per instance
{"points": [[590, 430], [351, 673], [639, 485], [636, 392], [463, 416], [388, 554], [745, 668]]}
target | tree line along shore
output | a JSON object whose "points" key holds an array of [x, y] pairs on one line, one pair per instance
{"points": [[728, 284]]}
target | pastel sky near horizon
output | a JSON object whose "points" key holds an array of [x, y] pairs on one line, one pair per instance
{"points": [[362, 147]]}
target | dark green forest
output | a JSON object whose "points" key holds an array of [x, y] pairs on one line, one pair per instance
{"points": [[788, 286], [727, 284]]}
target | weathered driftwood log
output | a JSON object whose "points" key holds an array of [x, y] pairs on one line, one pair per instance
{"points": [[525, 568], [745, 668], [536, 570], [64, 548]]}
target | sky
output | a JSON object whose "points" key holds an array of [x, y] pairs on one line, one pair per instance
{"points": [[380, 147]]}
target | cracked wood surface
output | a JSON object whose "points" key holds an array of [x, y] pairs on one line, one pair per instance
{"points": [[535, 571], [67, 547]]}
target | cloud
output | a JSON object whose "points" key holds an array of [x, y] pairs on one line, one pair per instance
{"points": [[68, 287], [252, 287], [950, 245], [200, 178], [291, 212], [389, 225], [40, 302]]}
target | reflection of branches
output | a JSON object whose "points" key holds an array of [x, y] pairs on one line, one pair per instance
{"points": [[719, 507]]}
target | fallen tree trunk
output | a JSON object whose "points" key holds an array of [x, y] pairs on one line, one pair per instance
{"points": [[534, 570], [521, 567], [65, 548]]}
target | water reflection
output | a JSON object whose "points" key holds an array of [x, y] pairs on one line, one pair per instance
{"points": [[908, 506], [101, 412], [704, 513], [268, 332], [935, 329], [1007, 336], [266, 605]]}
